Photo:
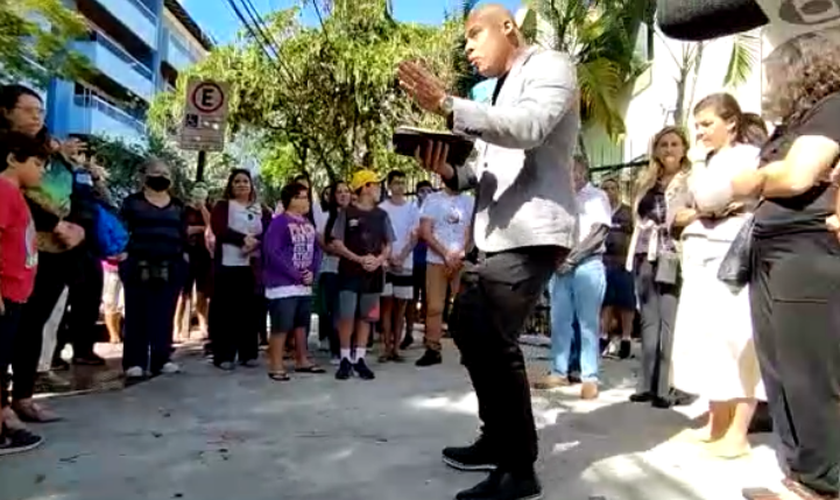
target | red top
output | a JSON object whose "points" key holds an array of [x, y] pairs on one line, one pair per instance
{"points": [[18, 248]]}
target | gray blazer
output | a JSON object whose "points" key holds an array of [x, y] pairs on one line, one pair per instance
{"points": [[521, 166]]}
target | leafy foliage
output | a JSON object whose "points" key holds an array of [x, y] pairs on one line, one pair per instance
{"points": [[124, 162], [600, 37], [328, 97], [35, 37]]}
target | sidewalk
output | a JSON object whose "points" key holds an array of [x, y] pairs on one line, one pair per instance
{"points": [[209, 435]]}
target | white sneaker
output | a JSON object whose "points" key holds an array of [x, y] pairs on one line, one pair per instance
{"points": [[170, 368], [134, 372]]}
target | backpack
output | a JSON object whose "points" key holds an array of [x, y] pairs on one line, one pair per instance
{"points": [[111, 235]]}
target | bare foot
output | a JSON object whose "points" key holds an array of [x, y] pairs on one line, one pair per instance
{"points": [[728, 450], [11, 420]]}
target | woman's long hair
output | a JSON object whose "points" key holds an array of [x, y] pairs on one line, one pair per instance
{"points": [[800, 73], [228, 194], [725, 107], [333, 209], [754, 130], [651, 174]]}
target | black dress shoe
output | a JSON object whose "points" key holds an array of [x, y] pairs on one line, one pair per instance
{"points": [[662, 403], [407, 341], [476, 457], [504, 486], [641, 397]]}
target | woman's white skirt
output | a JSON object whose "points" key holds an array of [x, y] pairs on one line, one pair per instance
{"points": [[713, 353]]}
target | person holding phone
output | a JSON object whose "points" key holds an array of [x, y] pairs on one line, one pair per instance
{"points": [[524, 225]]}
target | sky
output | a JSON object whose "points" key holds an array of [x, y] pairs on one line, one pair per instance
{"points": [[218, 20]]}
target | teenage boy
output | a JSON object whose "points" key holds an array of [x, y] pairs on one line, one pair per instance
{"points": [[23, 160], [362, 237], [399, 281], [445, 226]]}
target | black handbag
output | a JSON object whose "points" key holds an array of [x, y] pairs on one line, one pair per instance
{"points": [[736, 267]]}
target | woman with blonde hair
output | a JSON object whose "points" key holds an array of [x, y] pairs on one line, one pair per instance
{"points": [[660, 210]]}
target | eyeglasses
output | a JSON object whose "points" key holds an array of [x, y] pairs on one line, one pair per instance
{"points": [[32, 110]]}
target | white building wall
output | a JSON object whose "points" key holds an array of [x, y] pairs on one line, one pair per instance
{"points": [[653, 102]]}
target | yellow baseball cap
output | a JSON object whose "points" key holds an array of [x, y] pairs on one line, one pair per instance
{"points": [[362, 178]]}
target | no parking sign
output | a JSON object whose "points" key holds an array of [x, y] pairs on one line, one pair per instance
{"points": [[205, 115]]}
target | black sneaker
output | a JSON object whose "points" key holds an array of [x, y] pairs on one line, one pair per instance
{"points": [[363, 371], [90, 359], [476, 457], [624, 349], [603, 345], [504, 486], [345, 370], [429, 358], [407, 341], [18, 441]]}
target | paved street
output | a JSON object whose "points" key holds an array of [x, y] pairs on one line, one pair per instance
{"points": [[210, 435]]}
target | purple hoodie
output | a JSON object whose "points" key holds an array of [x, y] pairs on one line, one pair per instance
{"points": [[290, 246]]}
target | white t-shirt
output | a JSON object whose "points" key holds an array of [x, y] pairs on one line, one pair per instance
{"points": [[450, 216], [404, 220], [593, 210], [245, 219]]}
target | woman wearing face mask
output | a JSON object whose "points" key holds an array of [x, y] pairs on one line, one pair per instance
{"points": [[328, 279], [660, 211], [198, 277], [238, 221], [714, 356], [152, 272]]}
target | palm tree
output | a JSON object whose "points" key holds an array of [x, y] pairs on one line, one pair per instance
{"points": [[600, 36]]}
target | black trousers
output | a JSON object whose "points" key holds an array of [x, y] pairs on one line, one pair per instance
{"points": [[9, 324], [496, 298], [84, 299], [234, 315], [328, 288], [795, 301], [658, 311], [55, 271], [149, 317]]}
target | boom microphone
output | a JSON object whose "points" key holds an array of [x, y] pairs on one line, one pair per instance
{"points": [[696, 20]]}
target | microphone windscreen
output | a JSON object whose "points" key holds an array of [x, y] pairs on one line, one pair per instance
{"points": [[697, 20]]}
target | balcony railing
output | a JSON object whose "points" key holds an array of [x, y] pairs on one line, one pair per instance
{"points": [[144, 9], [121, 53], [93, 102]]}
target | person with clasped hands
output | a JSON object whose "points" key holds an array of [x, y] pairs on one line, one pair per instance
{"points": [[524, 226]]}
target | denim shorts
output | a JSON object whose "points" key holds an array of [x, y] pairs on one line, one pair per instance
{"points": [[289, 313], [621, 289]]}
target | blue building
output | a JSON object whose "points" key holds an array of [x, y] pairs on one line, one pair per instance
{"points": [[136, 48]]}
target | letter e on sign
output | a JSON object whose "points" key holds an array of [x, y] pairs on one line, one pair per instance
{"points": [[208, 97]]}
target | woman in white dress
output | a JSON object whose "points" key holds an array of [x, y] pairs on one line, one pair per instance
{"points": [[714, 355]]}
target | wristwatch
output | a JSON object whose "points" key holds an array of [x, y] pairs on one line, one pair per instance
{"points": [[446, 106]]}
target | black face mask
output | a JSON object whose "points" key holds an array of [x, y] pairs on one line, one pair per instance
{"points": [[158, 183]]}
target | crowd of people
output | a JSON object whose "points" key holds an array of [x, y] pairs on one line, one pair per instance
{"points": [[737, 199]]}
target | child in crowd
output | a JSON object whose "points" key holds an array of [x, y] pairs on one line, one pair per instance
{"points": [[23, 160], [362, 237], [291, 258]]}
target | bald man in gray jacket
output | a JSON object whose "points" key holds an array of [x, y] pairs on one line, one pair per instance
{"points": [[525, 224]]}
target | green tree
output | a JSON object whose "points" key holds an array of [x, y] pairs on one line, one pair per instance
{"points": [[600, 36], [323, 97], [35, 37], [689, 58]]}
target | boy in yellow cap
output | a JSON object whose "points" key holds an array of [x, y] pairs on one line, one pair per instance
{"points": [[362, 237]]}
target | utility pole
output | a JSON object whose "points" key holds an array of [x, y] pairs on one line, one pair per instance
{"points": [[199, 169]]}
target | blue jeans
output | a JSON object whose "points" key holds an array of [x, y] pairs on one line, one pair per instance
{"points": [[577, 295]]}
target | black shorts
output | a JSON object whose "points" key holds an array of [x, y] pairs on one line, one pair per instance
{"points": [[621, 288], [289, 313]]}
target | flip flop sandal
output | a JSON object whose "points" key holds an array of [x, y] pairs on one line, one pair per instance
{"points": [[759, 494], [802, 491], [279, 376], [310, 369]]}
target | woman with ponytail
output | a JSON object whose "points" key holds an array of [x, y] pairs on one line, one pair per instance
{"points": [[714, 356]]}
